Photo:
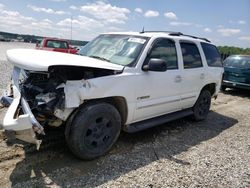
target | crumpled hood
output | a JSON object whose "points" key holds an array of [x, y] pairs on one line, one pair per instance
{"points": [[41, 60]]}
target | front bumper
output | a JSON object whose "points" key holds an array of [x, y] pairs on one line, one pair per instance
{"points": [[231, 84], [25, 126]]}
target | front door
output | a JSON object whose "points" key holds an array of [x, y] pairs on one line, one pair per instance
{"points": [[158, 93]]}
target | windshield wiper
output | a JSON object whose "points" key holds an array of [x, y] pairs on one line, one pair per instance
{"points": [[101, 58]]}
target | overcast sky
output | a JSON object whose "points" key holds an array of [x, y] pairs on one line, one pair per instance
{"points": [[225, 22]]}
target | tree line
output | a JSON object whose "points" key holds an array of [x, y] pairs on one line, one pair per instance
{"points": [[230, 50]]}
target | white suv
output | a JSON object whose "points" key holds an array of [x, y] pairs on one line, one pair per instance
{"points": [[118, 81]]}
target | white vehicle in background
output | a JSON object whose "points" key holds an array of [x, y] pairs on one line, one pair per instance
{"points": [[119, 81]]}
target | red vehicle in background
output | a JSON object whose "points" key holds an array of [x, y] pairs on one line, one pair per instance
{"points": [[57, 45]]}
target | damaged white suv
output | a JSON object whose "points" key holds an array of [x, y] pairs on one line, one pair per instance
{"points": [[119, 81]]}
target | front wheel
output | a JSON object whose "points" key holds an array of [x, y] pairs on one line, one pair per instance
{"points": [[93, 130], [202, 105]]}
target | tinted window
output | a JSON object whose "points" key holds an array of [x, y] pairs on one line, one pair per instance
{"points": [[191, 55], [237, 62], [165, 49], [212, 55]]}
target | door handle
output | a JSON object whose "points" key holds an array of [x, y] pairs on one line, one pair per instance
{"points": [[202, 76], [178, 78]]}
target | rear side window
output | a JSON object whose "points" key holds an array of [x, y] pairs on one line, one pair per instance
{"points": [[191, 55], [212, 55]]}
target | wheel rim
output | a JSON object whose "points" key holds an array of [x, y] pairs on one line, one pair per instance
{"points": [[203, 106], [99, 134]]}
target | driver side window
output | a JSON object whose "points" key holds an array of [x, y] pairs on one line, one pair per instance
{"points": [[165, 49]]}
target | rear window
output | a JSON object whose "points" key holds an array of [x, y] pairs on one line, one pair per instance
{"points": [[237, 62], [56, 44], [212, 55]]}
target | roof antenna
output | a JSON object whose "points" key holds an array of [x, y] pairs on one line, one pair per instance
{"points": [[142, 30]]}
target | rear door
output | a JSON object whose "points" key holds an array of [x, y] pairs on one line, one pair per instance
{"points": [[193, 73]]}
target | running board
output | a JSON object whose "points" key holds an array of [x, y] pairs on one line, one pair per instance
{"points": [[145, 124]]}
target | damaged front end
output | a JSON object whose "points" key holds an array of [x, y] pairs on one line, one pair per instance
{"points": [[37, 99], [19, 121]]}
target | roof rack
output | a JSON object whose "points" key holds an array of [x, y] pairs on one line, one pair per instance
{"points": [[173, 33], [169, 32], [190, 36]]}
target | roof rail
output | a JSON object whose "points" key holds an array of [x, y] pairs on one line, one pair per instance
{"points": [[169, 32], [191, 37], [173, 33]]}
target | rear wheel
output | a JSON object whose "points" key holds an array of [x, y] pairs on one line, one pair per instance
{"points": [[202, 105], [93, 130]]}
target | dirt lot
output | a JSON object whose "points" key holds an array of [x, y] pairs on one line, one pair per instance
{"points": [[10, 45], [183, 153]]}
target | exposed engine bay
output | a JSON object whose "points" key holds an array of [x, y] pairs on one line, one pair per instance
{"points": [[44, 91]]}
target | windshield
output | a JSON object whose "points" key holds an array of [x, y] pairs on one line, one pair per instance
{"points": [[237, 62], [117, 49]]}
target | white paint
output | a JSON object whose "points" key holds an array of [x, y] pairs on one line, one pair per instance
{"points": [[147, 94], [41, 60]]}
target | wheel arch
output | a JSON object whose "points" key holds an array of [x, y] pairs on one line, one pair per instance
{"points": [[211, 87], [118, 102]]}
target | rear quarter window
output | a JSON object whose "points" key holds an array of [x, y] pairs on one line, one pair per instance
{"points": [[212, 55]]}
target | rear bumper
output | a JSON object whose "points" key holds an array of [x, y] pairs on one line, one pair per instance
{"points": [[231, 84], [24, 126]]}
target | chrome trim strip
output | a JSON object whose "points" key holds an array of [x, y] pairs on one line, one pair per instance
{"points": [[238, 83], [176, 100], [190, 97], [158, 104]]}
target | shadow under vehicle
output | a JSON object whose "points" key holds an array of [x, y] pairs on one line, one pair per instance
{"points": [[131, 152]]}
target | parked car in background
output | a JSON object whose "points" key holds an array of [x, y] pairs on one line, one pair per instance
{"points": [[57, 45], [236, 72]]}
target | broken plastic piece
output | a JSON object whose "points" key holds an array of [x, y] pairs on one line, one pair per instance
{"points": [[6, 101]]}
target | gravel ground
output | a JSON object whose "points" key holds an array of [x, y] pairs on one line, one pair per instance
{"points": [[183, 153], [11, 45]]}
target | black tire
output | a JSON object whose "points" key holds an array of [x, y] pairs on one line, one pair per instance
{"points": [[223, 88], [93, 130], [202, 105]]}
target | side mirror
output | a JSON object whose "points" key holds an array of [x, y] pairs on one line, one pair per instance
{"points": [[157, 65]]}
